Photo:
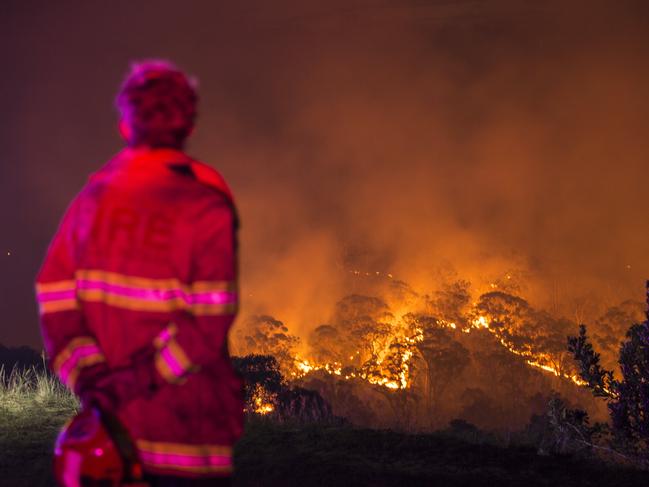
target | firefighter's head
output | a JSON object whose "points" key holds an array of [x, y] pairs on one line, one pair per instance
{"points": [[157, 103]]}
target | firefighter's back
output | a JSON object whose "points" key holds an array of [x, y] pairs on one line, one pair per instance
{"points": [[138, 228]]}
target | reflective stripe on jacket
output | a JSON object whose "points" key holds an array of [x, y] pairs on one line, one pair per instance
{"points": [[146, 256]]}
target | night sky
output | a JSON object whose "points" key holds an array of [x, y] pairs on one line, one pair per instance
{"points": [[408, 136]]}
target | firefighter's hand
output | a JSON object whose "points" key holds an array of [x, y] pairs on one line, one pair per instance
{"points": [[116, 388], [101, 399], [111, 389]]}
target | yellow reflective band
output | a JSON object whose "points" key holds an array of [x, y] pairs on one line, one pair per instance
{"points": [[130, 303], [186, 458], [183, 448], [165, 371], [172, 362], [179, 355], [124, 280], [168, 284], [157, 295], [60, 305], [56, 296], [48, 287], [165, 335], [72, 345], [214, 309], [79, 353]]}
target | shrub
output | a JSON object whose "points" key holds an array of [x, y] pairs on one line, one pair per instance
{"points": [[628, 397]]}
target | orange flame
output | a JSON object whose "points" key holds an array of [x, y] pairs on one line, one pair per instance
{"points": [[262, 401]]}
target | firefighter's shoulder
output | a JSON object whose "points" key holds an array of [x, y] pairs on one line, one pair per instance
{"points": [[210, 177], [101, 176]]}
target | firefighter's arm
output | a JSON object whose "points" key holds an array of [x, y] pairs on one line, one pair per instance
{"points": [[211, 297], [71, 346]]}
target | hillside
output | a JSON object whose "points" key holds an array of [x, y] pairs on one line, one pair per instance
{"points": [[270, 454]]}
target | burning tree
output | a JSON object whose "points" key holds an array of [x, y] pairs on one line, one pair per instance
{"points": [[358, 331], [327, 344], [547, 343], [511, 317], [364, 322], [263, 381], [526, 332], [267, 393], [450, 303], [390, 376], [445, 358]]}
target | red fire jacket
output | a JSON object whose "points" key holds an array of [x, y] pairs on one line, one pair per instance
{"points": [[145, 256]]}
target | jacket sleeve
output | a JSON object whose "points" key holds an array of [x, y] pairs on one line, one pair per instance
{"points": [[186, 346], [70, 345]]}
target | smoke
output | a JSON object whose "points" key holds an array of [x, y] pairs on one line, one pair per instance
{"points": [[427, 139], [437, 139]]}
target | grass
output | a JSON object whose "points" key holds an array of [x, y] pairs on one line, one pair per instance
{"points": [[33, 407]]}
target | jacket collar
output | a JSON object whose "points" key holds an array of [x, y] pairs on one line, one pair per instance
{"points": [[146, 160], [147, 156]]}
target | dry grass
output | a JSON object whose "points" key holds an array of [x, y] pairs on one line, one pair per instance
{"points": [[33, 407], [22, 389]]}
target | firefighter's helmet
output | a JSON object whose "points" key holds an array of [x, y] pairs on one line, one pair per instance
{"points": [[94, 449]]}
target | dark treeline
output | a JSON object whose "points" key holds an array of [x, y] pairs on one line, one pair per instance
{"points": [[20, 357]]}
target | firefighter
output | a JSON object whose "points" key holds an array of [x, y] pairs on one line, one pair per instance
{"points": [[138, 290]]}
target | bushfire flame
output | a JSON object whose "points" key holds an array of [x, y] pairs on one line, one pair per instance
{"points": [[401, 380], [262, 401]]}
